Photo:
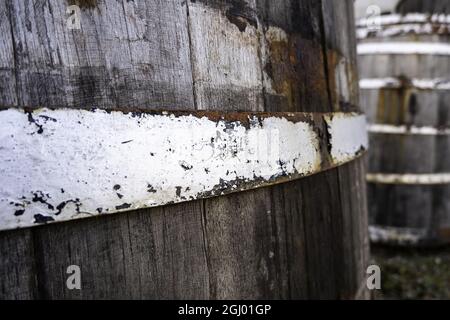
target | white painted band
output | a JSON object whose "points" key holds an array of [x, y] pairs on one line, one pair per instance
{"points": [[401, 236], [64, 164], [348, 135], [432, 48], [409, 178], [402, 29], [421, 84], [391, 19], [391, 129]]}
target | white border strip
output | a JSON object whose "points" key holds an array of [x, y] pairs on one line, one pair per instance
{"points": [[396, 235], [391, 19], [391, 129], [431, 48], [421, 84], [348, 135], [64, 164], [402, 29], [408, 178]]}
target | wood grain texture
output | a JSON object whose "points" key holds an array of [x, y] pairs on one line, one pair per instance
{"points": [[341, 55], [139, 255], [227, 75], [125, 54], [288, 59], [17, 265], [303, 239], [340, 35]]}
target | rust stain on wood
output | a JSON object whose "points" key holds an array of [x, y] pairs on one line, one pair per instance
{"points": [[287, 54]]}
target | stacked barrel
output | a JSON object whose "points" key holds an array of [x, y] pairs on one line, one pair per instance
{"points": [[404, 65]]}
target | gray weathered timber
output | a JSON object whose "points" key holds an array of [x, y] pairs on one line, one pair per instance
{"points": [[17, 267], [287, 86], [421, 151], [413, 6], [302, 239], [352, 193]]}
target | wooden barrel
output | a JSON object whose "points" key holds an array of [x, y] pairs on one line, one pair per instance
{"points": [[96, 116], [404, 79]]}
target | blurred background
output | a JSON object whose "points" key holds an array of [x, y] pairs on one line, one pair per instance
{"points": [[404, 70]]}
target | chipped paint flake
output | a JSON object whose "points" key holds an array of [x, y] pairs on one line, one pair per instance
{"points": [[64, 164], [348, 135]]}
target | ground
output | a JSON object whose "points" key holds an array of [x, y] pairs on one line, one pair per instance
{"points": [[413, 273]]}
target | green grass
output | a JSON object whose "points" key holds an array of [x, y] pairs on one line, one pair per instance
{"points": [[413, 273]]}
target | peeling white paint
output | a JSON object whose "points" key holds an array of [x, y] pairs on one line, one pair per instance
{"points": [[64, 164], [412, 130], [348, 135], [433, 48], [409, 178], [421, 84], [401, 236], [391, 19], [396, 30]]}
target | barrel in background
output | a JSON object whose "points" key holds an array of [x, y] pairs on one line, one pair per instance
{"points": [[404, 80], [302, 239], [430, 7]]}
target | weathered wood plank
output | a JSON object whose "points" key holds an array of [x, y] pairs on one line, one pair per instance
{"points": [[343, 82], [403, 106], [227, 76], [225, 55], [426, 211], [127, 256], [333, 218], [8, 83], [294, 63], [17, 266], [341, 55], [126, 54], [398, 153], [115, 59], [292, 56]]}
